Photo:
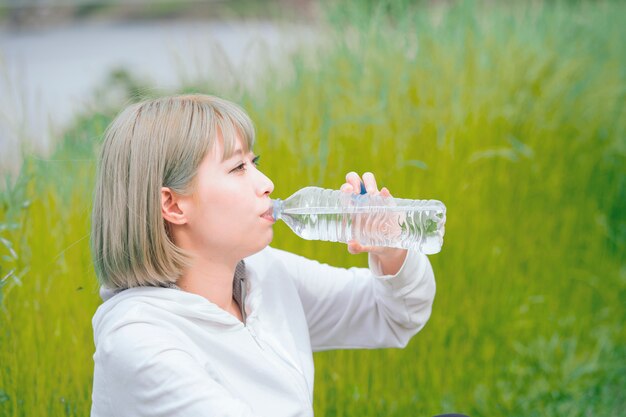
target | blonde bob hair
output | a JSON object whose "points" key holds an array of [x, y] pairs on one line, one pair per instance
{"points": [[149, 145]]}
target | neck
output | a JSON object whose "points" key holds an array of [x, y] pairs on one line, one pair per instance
{"points": [[212, 279]]}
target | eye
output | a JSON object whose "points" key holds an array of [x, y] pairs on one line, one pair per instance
{"points": [[242, 166]]}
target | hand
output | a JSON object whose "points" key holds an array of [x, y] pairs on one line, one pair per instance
{"points": [[391, 259]]}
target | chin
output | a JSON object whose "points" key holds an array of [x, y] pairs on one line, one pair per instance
{"points": [[262, 244]]}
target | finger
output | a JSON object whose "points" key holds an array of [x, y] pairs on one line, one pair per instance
{"points": [[351, 247], [385, 192], [346, 188], [354, 247], [353, 179], [370, 183]]}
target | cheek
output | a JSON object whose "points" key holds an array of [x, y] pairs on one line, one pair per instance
{"points": [[222, 211]]}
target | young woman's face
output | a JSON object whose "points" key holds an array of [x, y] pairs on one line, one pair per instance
{"points": [[227, 214]]}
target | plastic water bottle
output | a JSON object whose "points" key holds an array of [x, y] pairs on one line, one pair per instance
{"points": [[315, 213]]}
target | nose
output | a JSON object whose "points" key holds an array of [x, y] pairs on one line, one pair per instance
{"points": [[265, 186]]}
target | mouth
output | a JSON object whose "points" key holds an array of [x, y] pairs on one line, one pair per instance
{"points": [[269, 215]]}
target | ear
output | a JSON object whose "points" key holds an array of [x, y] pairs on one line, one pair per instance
{"points": [[171, 208]]}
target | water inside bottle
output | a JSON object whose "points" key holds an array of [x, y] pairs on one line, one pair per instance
{"points": [[399, 226]]}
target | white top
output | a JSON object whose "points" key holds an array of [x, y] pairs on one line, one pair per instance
{"points": [[167, 352]]}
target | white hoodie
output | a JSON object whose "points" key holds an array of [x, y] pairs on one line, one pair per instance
{"points": [[167, 352]]}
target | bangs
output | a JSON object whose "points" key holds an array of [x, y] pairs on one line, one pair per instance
{"points": [[234, 125]]}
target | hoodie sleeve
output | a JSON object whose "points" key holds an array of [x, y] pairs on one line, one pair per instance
{"points": [[361, 307], [166, 380]]}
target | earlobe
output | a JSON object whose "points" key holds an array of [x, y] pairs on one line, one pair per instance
{"points": [[170, 208]]}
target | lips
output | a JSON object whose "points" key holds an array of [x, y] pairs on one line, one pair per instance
{"points": [[269, 214]]}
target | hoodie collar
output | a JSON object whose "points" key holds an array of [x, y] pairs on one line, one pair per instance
{"points": [[173, 300]]}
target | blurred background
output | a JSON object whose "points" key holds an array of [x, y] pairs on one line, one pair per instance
{"points": [[510, 112], [62, 57]]}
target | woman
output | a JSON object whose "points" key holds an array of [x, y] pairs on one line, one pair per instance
{"points": [[200, 316]]}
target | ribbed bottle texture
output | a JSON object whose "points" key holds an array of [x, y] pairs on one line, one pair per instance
{"points": [[315, 213]]}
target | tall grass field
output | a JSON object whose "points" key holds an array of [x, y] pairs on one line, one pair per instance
{"points": [[513, 116]]}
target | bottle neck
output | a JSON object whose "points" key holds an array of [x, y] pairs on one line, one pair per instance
{"points": [[277, 208]]}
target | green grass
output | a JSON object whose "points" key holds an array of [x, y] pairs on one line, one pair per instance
{"points": [[512, 116]]}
